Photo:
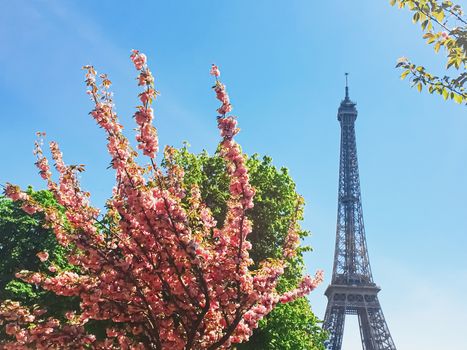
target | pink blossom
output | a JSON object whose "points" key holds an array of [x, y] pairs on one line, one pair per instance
{"points": [[111, 332], [143, 115], [35, 278], [306, 286], [215, 71], [11, 328], [29, 208], [14, 193], [43, 166], [222, 96], [21, 336], [145, 77], [139, 59], [43, 256]]}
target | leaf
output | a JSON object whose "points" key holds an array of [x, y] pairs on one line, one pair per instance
{"points": [[450, 63], [419, 87], [439, 15], [405, 73], [458, 98]]}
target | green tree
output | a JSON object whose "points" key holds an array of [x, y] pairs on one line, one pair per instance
{"points": [[290, 326], [22, 236], [445, 27]]}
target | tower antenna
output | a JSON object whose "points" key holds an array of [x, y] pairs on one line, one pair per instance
{"points": [[346, 86]]}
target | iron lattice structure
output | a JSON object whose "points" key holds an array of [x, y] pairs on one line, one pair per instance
{"points": [[352, 290]]}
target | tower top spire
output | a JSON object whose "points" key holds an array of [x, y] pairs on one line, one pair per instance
{"points": [[346, 86], [347, 106]]}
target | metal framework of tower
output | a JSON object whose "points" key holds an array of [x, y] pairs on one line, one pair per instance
{"points": [[352, 290]]}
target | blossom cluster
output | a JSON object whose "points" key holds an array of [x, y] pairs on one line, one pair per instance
{"points": [[155, 265], [147, 137], [221, 93], [292, 240], [29, 327]]}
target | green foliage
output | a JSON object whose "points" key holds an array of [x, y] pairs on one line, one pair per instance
{"points": [[444, 27], [22, 236], [289, 326]]}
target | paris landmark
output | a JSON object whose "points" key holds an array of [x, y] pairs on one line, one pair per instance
{"points": [[352, 290]]}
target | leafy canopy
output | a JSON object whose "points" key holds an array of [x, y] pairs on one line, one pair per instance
{"points": [[445, 27]]}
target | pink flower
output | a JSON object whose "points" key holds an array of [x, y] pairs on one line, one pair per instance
{"points": [[143, 115], [145, 78], [43, 166], [307, 285], [15, 193], [139, 59], [445, 35], [36, 278], [29, 209], [111, 332], [11, 328], [43, 256], [215, 71], [225, 108], [21, 336]]}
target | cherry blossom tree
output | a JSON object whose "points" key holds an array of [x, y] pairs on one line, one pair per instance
{"points": [[155, 263]]}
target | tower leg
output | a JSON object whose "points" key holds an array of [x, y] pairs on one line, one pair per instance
{"points": [[374, 330], [334, 323], [365, 329], [379, 329]]}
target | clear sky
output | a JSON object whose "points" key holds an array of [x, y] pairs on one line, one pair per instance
{"points": [[283, 63]]}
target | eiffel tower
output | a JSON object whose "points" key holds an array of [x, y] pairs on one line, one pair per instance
{"points": [[352, 290]]}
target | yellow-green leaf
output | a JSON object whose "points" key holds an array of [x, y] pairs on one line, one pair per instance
{"points": [[445, 94], [450, 63], [439, 15], [405, 73], [458, 98]]}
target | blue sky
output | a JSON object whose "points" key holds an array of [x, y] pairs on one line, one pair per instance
{"points": [[283, 64]]}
